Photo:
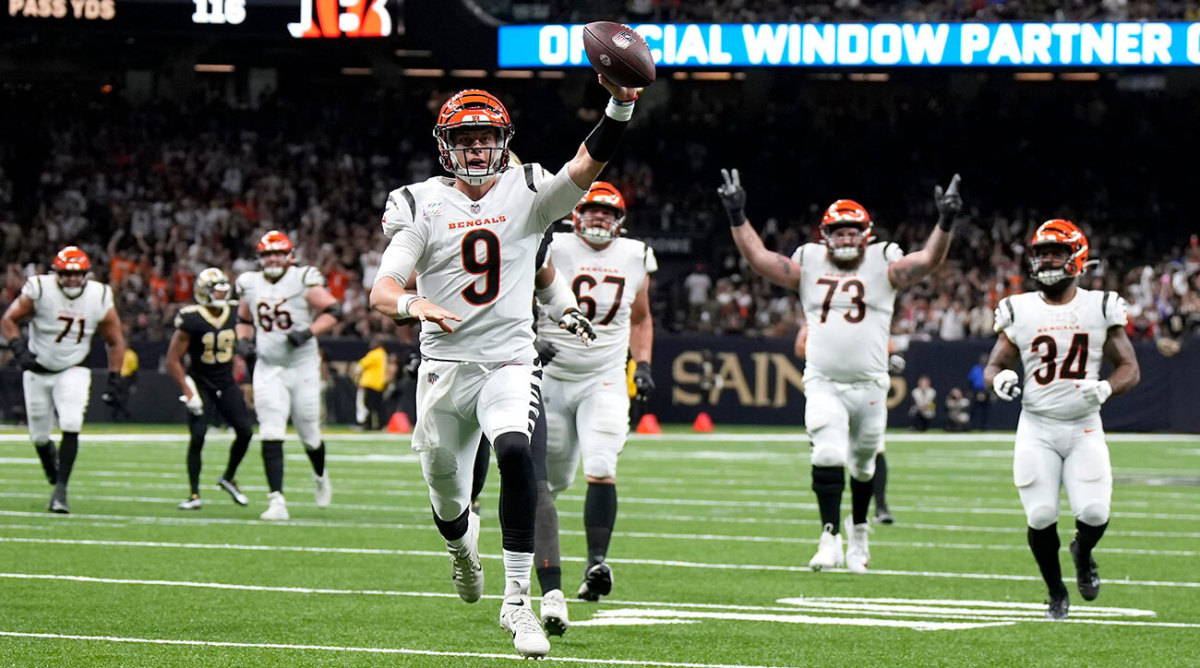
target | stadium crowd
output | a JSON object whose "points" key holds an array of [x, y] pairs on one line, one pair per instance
{"points": [[157, 191]]}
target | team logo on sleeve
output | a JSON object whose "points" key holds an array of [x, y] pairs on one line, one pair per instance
{"points": [[431, 209]]}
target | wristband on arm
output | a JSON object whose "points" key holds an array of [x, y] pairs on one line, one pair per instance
{"points": [[602, 143]]}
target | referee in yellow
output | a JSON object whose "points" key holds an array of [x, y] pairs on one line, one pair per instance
{"points": [[372, 380]]}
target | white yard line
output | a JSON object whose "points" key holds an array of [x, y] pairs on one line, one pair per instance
{"points": [[181, 436], [122, 521], [772, 506], [366, 650], [439, 554], [989, 611]]}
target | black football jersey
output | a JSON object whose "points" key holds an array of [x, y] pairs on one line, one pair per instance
{"points": [[211, 342]]}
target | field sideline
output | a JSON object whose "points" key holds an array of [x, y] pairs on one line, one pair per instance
{"points": [[710, 560]]}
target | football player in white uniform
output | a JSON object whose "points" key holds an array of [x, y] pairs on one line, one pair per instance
{"points": [[587, 403], [473, 241], [848, 288], [1060, 335], [66, 309], [283, 307]]}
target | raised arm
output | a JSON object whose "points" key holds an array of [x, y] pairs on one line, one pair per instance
{"points": [[775, 267], [601, 144], [917, 265]]}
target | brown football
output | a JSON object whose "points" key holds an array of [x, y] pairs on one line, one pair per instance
{"points": [[619, 53]]}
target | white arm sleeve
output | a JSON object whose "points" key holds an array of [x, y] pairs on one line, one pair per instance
{"points": [[557, 298], [555, 197], [402, 254]]}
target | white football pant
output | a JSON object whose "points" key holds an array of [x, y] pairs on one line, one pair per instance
{"points": [[1071, 453], [589, 418], [846, 422], [65, 393]]}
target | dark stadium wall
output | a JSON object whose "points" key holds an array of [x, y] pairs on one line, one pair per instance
{"points": [[760, 383]]}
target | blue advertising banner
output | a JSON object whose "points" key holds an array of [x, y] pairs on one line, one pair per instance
{"points": [[1154, 44]]}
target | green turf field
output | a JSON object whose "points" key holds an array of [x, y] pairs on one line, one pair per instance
{"points": [[710, 554]]}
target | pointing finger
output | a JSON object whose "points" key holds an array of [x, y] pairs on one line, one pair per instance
{"points": [[953, 188]]}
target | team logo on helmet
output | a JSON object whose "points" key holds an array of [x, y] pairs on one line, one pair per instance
{"points": [[275, 243], [210, 281], [71, 264], [1057, 232], [473, 109], [601, 195], [846, 213]]}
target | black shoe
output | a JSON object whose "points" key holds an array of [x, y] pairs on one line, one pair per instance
{"points": [[1086, 575], [882, 516], [58, 503], [231, 487], [1059, 603], [597, 582]]}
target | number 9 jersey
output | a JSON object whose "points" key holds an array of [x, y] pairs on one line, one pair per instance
{"points": [[1059, 344], [211, 340], [278, 308]]}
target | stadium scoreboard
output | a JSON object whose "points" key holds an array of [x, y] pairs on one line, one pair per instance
{"points": [[284, 19], [1127, 44]]}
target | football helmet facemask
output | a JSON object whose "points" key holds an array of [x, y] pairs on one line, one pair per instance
{"points": [[600, 215], [210, 282], [846, 213], [275, 253], [473, 109], [1057, 252], [71, 266]]}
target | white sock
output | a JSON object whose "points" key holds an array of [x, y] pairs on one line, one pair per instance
{"points": [[517, 569]]}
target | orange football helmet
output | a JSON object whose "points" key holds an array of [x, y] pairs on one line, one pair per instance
{"points": [[71, 258], [604, 195], [272, 245], [1058, 232], [70, 266], [473, 108], [846, 213]]}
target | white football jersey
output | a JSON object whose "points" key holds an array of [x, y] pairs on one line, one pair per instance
{"points": [[606, 282], [60, 333], [1059, 344], [849, 313], [476, 258], [278, 308]]}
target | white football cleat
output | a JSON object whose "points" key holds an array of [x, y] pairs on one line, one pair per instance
{"points": [[192, 503], [554, 612], [276, 508], [324, 491], [465, 568], [858, 553], [516, 617], [829, 551]]}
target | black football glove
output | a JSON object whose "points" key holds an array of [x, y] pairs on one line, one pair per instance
{"points": [[948, 202], [24, 357], [643, 380], [546, 351], [298, 337], [733, 197], [576, 323], [245, 348], [112, 389]]}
